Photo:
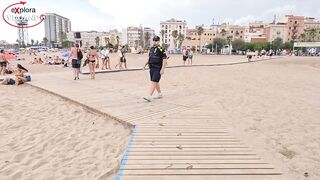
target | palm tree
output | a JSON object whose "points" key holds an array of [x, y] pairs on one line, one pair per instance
{"points": [[181, 38], [313, 34], [223, 32], [162, 32], [37, 43], [147, 37], [97, 39], [200, 31], [107, 41], [45, 41], [32, 42], [303, 37], [229, 40], [175, 36], [118, 40]]}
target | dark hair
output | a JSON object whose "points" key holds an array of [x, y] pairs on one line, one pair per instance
{"points": [[77, 45], [21, 67], [91, 47], [2, 51]]}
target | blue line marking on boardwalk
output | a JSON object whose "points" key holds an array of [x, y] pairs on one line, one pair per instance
{"points": [[126, 155]]}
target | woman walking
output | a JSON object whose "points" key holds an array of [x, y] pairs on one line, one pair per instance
{"points": [[93, 58]]}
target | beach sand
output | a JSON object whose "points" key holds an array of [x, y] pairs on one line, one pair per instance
{"points": [[45, 137], [273, 106]]}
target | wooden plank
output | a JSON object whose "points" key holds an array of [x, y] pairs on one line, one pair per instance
{"points": [[151, 153], [187, 143], [202, 177], [197, 166], [182, 140], [155, 146], [216, 157], [203, 172], [195, 161], [133, 149]]}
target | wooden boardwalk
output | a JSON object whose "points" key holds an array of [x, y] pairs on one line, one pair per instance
{"points": [[176, 140]]}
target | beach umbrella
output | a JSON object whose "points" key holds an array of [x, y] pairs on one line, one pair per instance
{"points": [[66, 54], [9, 56]]}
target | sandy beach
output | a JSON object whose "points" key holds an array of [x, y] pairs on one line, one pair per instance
{"points": [[272, 105], [46, 137]]}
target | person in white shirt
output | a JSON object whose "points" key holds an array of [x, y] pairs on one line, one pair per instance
{"points": [[105, 59]]}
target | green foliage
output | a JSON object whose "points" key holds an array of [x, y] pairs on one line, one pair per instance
{"points": [[217, 42], [66, 44], [239, 45]]}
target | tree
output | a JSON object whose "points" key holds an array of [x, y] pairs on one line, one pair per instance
{"points": [[162, 32], [229, 40], [66, 44], [312, 34], [63, 36], [239, 45], [277, 43], [175, 36], [181, 38], [32, 42], [287, 45], [118, 40], [97, 39], [37, 43], [303, 37], [223, 32], [217, 42], [200, 31], [45, 41], [107, 40], [250, 46], [261, 45], [147, 37]]}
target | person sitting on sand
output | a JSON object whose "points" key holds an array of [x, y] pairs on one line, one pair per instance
{"points": [[3, 63], [19, 79]]}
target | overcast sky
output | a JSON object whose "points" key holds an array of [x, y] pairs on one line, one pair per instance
{"points": [[104, 15]]}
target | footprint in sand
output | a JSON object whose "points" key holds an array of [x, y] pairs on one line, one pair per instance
{"points": [[17, 175], [20, 157]]}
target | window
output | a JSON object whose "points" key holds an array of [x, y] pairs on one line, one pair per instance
{"points": [[231, 31], [205, 34], [296, 22]]}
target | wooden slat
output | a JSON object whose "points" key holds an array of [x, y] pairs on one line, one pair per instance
{"points": [[202, 177], [217, 157], [195, 161], [197, 166], [203, 172]]}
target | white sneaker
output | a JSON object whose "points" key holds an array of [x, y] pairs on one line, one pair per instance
{"points": [[158, 97], [147, 98]]}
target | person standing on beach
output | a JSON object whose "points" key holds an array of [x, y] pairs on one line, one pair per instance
{"points": [[105, 59], [157, 63], [184, 56], [76, 57], [123, 59], [190, 56], [119, 59], [93, 57]]}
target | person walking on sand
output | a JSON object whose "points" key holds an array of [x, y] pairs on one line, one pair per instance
{"points": [[119, 53], [105, 59], [157, 63], [184, 56], [190, 56], [76, 57], [123, 59], [93, 57]]}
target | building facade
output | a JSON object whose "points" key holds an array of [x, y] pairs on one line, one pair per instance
{"points": [[148, 35], [274, 31], [166, 29], [95, 38], [134, 37], [56, 27], [194, 41]]}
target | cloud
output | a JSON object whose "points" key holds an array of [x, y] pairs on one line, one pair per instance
{"points": [[125, 13], [245, 20]]}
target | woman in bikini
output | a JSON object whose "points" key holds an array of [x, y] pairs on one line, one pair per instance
{"points": [[93, 58]]}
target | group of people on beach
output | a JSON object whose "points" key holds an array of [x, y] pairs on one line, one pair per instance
{"points": [[20, 76], [187, 56], [92, 59]]}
